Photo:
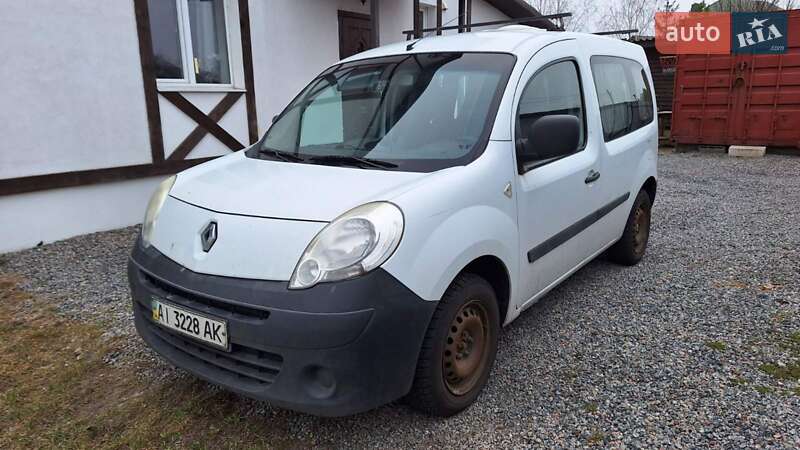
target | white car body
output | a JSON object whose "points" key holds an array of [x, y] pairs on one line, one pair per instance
{"points": [[453, 216], [540, 226]]}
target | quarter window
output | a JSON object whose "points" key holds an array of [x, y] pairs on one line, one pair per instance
{"points": [[556, 89], [626, 101], [190, 42]]}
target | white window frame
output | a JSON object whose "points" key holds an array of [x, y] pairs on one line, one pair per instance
{"points": [[233, 40]]}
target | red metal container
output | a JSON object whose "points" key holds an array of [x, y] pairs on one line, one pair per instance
{"points": [[739, 99]]}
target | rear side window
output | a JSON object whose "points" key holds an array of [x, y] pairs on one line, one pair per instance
{"points": [[626, 100], [556, 89]]}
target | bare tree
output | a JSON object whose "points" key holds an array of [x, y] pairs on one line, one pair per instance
{"points": [[745, 5], [630, 15], [671, 5], [582, 11]]}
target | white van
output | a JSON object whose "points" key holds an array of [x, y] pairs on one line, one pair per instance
{"points": [[410, 201]]}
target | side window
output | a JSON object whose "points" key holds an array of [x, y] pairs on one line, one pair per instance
{"points": [[626, 100], [556, 89]]}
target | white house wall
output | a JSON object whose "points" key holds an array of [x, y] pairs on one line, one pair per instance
{"points": [[60, 213], [234, 122], [396, 16], [176, 125], [73, 97], [481, 12], [292, 40]]}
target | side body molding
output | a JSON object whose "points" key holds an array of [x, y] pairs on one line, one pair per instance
{"points": [[573, 230]]}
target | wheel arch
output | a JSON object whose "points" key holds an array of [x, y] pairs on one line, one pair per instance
{"points": [[650, 185], [434, 254], [494, 271]]}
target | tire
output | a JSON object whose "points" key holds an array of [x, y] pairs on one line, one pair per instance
{"points": [[631, 247], [458, 350]]}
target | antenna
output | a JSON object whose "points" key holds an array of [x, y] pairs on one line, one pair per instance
{"points": [[410, 46]]}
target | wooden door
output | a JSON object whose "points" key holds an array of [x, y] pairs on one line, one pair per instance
{"points": [[355, 31]]}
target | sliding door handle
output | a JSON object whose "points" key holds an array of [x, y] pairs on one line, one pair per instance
{"points": [[592, 177]]}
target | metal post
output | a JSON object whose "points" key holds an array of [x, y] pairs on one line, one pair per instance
{"points": [[439, 17], [461, 14], [417, 25], [374, 12], [469, 15]]}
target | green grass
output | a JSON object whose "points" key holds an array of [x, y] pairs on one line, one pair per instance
{"points": [[763, 389], [717, 345], [590, 407], [738, 381], [792, 344], [596, 437], [789, 372]]}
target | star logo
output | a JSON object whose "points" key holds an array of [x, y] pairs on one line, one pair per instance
{"points": [[757, 23]]}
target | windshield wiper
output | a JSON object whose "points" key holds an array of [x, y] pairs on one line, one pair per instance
{"points": [[285, 156], [377, 163]]}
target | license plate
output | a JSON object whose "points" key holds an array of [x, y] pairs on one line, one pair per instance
{"points": [[211, 331]]}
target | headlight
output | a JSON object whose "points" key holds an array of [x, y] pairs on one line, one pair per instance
{"points": [[353, 244], [156, 202]]}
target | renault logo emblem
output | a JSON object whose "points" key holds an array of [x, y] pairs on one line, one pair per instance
{"points": [[208, 236]]}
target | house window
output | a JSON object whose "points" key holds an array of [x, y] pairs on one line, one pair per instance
{"points": [[190, 41]]}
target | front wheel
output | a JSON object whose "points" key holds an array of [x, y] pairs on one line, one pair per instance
{"points": [[630, 249], [459, 348]]}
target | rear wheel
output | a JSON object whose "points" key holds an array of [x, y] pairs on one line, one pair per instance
{"points": [[630, 249], [459, 348]]}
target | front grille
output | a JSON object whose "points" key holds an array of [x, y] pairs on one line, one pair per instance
{"points": [[242, 365], [248, 365], [205, 304]]}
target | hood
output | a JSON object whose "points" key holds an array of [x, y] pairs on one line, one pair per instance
{"points": [[236, 184]]}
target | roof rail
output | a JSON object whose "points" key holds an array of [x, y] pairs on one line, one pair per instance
{"points": [[605, 33]]}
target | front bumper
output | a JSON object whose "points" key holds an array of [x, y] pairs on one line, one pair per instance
{"points": [[334, 349]]}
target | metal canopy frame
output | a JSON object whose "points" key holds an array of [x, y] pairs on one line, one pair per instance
{"points": [[465, 21], [468, 26]]}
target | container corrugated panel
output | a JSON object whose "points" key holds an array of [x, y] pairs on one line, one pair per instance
{"points": [[740, 99]]}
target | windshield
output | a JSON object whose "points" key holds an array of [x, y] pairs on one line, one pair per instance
{"points": [[418, 112]]}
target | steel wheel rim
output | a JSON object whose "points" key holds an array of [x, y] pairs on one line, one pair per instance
{"points": [[641, 230], [465, 353]]}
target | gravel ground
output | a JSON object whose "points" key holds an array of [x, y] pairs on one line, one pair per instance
{"points": [[668, 353]]}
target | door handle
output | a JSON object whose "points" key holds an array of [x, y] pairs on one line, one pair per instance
{"points": [[592, 177]]}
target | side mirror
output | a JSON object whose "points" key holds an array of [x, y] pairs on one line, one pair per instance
{"points": [[549, 137]]}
